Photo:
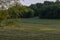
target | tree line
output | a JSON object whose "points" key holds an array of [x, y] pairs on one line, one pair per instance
{"points": [[46, 10]]}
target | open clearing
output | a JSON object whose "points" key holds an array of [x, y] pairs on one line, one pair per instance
{"points": [[31, 29]]}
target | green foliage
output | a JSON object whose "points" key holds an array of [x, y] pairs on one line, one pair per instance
{"points": [[16, 11], [36, 8], [19, 11], [4, 14], [50, 11], [27, 13], [47, 10]]}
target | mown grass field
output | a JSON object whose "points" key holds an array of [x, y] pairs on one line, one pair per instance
{"points": [[30, 29]]}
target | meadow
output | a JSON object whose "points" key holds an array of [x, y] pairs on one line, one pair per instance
{"points": [[30, 29]]}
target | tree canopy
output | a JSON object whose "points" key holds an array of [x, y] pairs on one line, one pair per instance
{"points": [[47, 10]]}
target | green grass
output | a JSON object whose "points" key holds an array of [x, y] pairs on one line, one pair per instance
{"points": [[30, 29]]}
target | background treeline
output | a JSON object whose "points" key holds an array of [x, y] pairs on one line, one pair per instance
{"points": [[46, 10]]}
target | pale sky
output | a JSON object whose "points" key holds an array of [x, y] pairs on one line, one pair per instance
{"points": [[29, 2]]}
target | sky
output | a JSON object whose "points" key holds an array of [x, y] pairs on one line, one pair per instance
{"points": [[29, 2]]}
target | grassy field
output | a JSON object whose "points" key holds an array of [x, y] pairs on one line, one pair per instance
{"points": [[30, 29]]}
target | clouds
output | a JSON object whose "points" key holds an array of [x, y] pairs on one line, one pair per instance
{"points": [[28, 2]]}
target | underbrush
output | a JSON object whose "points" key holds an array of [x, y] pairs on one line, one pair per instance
{"points": [[10, 23]]}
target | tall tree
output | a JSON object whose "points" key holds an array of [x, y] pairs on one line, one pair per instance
{"points": [[7, 3]]}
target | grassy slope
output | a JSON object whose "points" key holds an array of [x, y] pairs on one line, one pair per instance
{"points": [[31, 29]]}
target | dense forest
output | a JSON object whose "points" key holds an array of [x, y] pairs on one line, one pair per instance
{"points": [[46, 10]]}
